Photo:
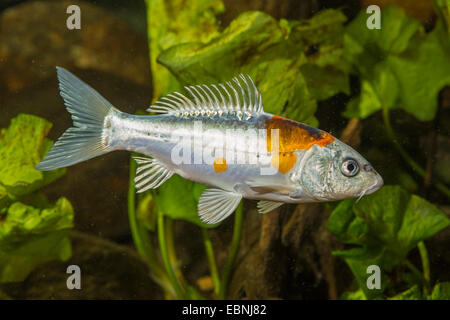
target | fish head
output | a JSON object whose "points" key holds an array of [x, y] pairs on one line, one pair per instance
{"points": [[335, 172]]}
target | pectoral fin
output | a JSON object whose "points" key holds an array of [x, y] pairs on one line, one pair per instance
{"points": [[263, 187], [215, 205], [265, 206], [150, 174]]}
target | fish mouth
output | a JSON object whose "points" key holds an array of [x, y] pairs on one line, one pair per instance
{"points": [[377, 185], [374, 187]]}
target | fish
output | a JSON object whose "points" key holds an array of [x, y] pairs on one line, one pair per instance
{"points": [[218, 135]]}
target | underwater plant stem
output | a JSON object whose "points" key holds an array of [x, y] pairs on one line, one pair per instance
{"points": [[431, 155], [414, 270], [425, 265], [165, 257], [237, 232], [211, 260], [173, 256], [141, 238], [138, 239], [414, 165]]}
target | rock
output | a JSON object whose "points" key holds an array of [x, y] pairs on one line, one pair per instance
{"points": [[260, 273], [108, 271], [35, 39]]}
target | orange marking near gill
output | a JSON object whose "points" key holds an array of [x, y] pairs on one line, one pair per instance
{"points": [[293, 136], [284, 161], [220, 165]]}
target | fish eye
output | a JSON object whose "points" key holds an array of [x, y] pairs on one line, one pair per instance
{"points": [[349, 167]]}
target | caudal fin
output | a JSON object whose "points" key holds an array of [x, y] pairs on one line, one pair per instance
{"points": [[88, 110]]}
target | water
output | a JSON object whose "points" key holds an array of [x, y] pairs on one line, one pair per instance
{"points": [[284, 254]]}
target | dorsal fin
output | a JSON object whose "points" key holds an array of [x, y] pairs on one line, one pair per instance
{"points": [[239, 95]]}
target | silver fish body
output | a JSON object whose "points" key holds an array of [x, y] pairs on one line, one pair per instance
{"points": [[222, 138], [154, 136]]}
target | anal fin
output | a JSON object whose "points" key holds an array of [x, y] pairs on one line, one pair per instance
{"points": [[150, 174], [265, 206], [215, 205]]}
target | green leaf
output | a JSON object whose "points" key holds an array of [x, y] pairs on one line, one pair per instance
{"points": [[325, 82], [174, 22], [300, 96], [344, 224], [368, 102], [383, 213], [385, 226], [322, 37], [255, 44], [22, 146], [31, 236], [421, 78], [145, 211], [412, 293], [394, 64], [421, 220], [364, 45], [354, 295], [441, 291]]}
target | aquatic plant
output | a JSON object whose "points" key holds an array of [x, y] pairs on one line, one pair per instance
{"points": [[297, 64], [32, 230]]}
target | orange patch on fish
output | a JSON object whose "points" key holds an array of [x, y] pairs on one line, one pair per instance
{"points": [[284, 162], [220, 165], [295, 136], [292, 136]]}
